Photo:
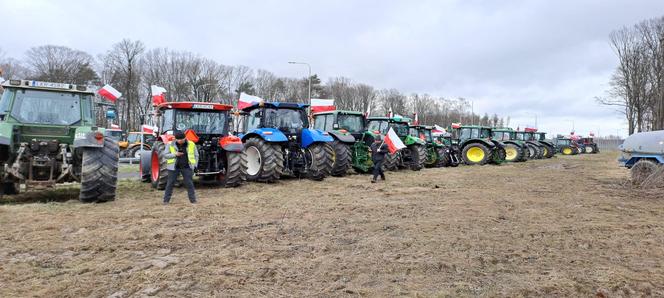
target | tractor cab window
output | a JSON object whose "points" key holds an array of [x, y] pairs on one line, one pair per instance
{"points": [[133, 138], [202, 122], [351, 123], [485, 133], [319, 121], [542, 136], [469, 133], [378, 125], [501, 135], [47, 107], [519, 136], [167, 120], [285, 119], [252, 120], [427, 135], [414, 132], [401, 129]]}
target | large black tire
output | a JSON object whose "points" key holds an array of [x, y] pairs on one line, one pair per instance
{"points": [[566, 150], [533, 151], [99, 172], [322, 161], [236, 170], [158, 170], [342, 158], [596, 149], [642, 169], [455, 157], [391, 162], [475, 159], [589, 149], [498, 155], [9, 188], [513, 153], [549, 151], [265, 161], [144, 166], [418, 156], [442, 160]]}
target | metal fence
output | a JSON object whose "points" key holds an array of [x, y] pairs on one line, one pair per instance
{"points": [[608, 144]]}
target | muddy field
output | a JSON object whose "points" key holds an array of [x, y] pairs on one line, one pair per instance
{"points": [[569, 226]]}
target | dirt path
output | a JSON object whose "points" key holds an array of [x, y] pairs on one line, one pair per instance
{"points": [[569, 226]]}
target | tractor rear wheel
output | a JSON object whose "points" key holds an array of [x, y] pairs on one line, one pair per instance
{"points": [[321, 161], [642, 169], [498, 155], [548, 151], [418, 156], [533, 151], [391, 162], [512, 152], [9, 188], [236, 170], [342, 158], [265, 161], [144, 166], [475, 154], [158, 170], [567, 150], [589, 149], [99, 172]]}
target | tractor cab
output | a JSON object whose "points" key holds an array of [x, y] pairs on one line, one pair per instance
{"points": [[566, 146], [351, 140], [207, 125], [516, 150], [349, 122], [478, 146]]}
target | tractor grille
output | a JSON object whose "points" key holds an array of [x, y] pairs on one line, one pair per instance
{"points": [[45, 131]]}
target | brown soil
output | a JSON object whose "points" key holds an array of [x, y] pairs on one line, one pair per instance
{"points": [[569, 226]]}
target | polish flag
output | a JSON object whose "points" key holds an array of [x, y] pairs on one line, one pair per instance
{"points": [[115, 126], [247, 100], [368, 112], [438, 130], [322, 105], [390, 114], [416, 120], [530, 129], [158, 96], [148, 129], [456, 125], [393, 141], [109, 93]]}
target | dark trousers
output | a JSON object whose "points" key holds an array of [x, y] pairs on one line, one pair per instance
{"points": [[187, 177], [378, 170]]}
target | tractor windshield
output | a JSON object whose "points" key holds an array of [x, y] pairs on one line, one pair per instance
{"points": [[426, 133], [351, 123], [400, 128], [202, 122], [47, 107], [378, 125], [519, 136], [285, 119], [501, 135]]}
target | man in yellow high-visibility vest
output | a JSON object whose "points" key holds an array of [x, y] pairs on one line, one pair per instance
{"points": [[181, 158]]}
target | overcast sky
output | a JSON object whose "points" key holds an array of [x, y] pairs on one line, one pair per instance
{"points": [[516, 58]]}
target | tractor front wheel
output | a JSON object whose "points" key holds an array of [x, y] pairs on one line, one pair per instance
{"points": [[548, 151], [475, 154], [418, 156], [99, 172], [158, 166], [567, 150], [320, 161], [442, 159], [236, 170], [342, 158], [265, 161]]}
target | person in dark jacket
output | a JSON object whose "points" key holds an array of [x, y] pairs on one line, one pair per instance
{"points": [[181, 158], [378, 151]]}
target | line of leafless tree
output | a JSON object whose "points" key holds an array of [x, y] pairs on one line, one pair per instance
{"points": [[132, 68], [637, 85]]}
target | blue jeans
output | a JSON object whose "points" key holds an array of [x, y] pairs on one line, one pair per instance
{"points": [[187, 177]]}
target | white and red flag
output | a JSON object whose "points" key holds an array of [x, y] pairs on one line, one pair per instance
{"points": [[158, 96], [458, 125], [416, 120], [390, 114], [109, 93], [148, 128], [393, 141], [247, 100], [115, 126], [322, 105]]}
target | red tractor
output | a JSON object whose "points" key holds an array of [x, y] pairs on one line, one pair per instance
{"points": [[207, 124]]}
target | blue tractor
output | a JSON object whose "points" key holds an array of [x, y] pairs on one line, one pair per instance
{"points": [[278, 142]]}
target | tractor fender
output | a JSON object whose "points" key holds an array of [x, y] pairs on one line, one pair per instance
{"points": [[231, 143], [310, 136], [342, 137], [547, 143], [489, 145], [271, 135], [520, 145], [88, 138], [630, 161], [6, 133], [410, 140], [498, 144], [535, 143], [133, 145]]}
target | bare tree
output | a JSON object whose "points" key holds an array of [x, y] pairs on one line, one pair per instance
{"points": [[60, 64]]}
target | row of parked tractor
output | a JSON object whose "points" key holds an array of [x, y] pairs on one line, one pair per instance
{"points": [[49, 135], [269, 140]]}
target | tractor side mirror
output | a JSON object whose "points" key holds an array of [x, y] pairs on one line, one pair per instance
{"points": [[110, 114]]}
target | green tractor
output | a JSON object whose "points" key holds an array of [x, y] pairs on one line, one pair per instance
{"points": [[351, 140], [478, 147], [452, 157], [549, 147], [435, 148], [413, 156], [48, 136], [515, 150], [566, 146], [535, 149]]}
